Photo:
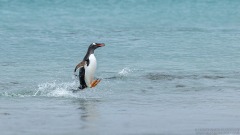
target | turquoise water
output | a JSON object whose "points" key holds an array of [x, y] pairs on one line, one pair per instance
{"points": [[168, 67]]}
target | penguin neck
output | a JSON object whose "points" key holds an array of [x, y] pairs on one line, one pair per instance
{"points": [[89, 52]]}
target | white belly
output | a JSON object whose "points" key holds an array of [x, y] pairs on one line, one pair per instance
{"points": [[90, 70]]}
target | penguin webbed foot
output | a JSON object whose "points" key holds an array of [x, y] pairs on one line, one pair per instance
{"points": [[95, 82], [81, 87]]}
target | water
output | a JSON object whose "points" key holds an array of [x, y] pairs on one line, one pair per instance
{"points": [[168, 67]]}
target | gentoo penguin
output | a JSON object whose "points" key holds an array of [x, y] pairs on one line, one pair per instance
{"points": [[87, 68]]}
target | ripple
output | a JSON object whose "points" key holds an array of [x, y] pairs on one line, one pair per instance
{"points": [[4, 113], [163, 76], [159, 76]]}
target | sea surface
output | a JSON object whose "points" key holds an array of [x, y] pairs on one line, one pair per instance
{"points": [[169, 67]]}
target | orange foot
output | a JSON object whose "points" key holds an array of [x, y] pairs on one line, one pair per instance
{"points": [[95, 82]]}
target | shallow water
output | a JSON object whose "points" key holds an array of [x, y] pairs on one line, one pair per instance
{"points": [[168, 67]]}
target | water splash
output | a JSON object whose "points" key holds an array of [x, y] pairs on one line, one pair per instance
{"points": [[12, 94], [65, 89], [54, 89], [122, 74], [125, 71], [60, 89]]}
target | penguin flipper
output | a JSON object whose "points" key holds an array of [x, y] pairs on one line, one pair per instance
{"points": [[95, 82], [81, 64]]}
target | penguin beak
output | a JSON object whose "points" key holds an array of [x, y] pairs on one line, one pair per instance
{"points": [[100, 44]]}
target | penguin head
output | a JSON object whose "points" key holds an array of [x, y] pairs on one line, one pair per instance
{"points": [[94, 46]]}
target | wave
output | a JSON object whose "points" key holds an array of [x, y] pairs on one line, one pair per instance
{"points": [[54, 89], [69, 90], [163, 76], [123, 73], [60, 89], [66, 89], [129, 73]]}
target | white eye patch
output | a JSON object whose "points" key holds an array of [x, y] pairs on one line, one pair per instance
{"points": [[94, 43]]}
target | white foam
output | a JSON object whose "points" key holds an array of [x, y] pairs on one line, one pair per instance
{"points": [[55, 89], [65, 89], [12, 94], [125, 71]]}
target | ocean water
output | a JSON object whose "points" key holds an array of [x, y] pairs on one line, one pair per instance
{"points": [[169, 66]]}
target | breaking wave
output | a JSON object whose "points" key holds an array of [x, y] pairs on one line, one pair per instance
{"points": [[69, 89], [125, 71], [61, 89], [54, 89]]}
